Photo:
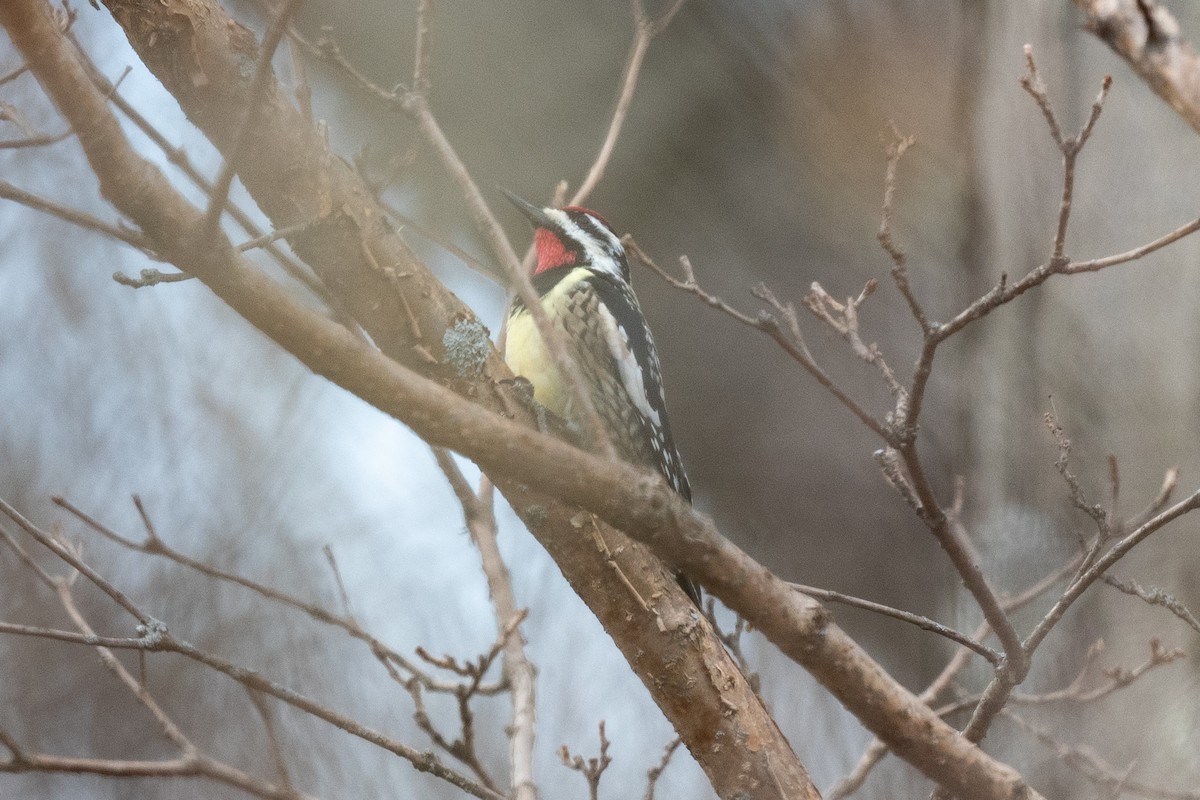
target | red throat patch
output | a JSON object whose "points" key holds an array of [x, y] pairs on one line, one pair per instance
{"points": [[551, 252]]}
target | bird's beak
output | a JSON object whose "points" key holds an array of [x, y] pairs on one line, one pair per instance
{"points": [[536, 215]]}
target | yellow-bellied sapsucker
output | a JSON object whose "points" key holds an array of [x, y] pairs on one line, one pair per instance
{"points": [[582, 278]]}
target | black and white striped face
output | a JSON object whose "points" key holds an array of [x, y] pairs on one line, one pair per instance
{"points": [[574, 237], [584, 239]]}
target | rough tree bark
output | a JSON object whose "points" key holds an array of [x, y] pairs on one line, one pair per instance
{"points": [[1148, 37], [205, 60]]}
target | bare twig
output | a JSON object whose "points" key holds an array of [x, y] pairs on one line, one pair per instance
{"points": [[1161, 500], [789, 339], [998, 692], [1118, 678], [1114, 496], [593, 768], [842, 317], [463, 748], [423, 761], [263, 75], [655, 773], [327, 50], [277, 756], [948, 530], [1106, 562], [895, 151], [303, 87], [924, 623], [486, 270], [1031, 82], [1094, 768], [67, 555], [64, 19], [192, 762], [178, 158], [958, 662], [10, 113], [645, 29], [1004, 292], [343, 595], [248, 678], [154, 545], [733, 643], [476, 670], [169, 729], [11, 76], [276, 235], [1097, 264], [151, 277], [25, 557], [888, 459], [478, 510], [420, 80], [147, 641], [1155, 597], [183, 767], [688, 284], [1100, 517], [952, 536], [1078, 691], [41, 140], [131, 238]]}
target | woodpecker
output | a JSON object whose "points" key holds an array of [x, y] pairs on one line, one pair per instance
{"points": [[582, 279]]}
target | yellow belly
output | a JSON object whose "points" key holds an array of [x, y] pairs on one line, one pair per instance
{"points": [[527, 356]]}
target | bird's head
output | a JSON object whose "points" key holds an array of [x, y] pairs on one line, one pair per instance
{"points": [[573, 237]]}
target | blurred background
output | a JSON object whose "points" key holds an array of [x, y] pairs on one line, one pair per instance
{"points": [[755, 145]]}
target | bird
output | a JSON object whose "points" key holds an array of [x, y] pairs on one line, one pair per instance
{"points": [[583, 284]]}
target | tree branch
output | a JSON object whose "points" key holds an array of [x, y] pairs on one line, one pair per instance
{"points": [[263, 78], [154, 545], [288, 170], [924, 623], [786, 334], [165, 641], [632, 500], [192, 762], [645, 29], [87, 221], [1146, 35], [665, 663], [519, 673], [961, 659]]}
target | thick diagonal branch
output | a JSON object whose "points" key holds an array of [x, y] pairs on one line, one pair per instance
{"points": [[634, 501], [671, 650]]}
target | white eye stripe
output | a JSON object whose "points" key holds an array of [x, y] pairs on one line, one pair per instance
{"points": [[601, 231], [602, 252]]}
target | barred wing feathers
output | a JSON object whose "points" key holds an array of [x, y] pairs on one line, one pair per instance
{"points": [[617, 355]]}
